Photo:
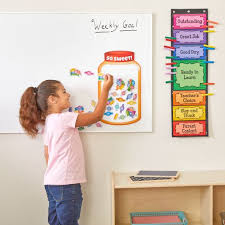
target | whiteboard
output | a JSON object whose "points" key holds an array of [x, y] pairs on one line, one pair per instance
{"points": [[40, 46]]}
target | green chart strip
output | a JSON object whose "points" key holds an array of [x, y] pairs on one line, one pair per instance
{"points": [[191, 74]]}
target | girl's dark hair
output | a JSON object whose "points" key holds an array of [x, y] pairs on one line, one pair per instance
{"points": [[34, 105]]}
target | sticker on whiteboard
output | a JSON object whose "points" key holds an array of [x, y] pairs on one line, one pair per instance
{"points": [[189, 128], [75, 72], [189, 21], [189, 113], [189, 97], [89, 73], [189, 36], [189, 52]]}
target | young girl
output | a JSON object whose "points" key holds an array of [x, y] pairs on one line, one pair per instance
{"points": [[62, 145]]}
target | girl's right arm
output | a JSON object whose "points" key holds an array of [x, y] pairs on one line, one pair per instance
{"points": [[85, 119]]}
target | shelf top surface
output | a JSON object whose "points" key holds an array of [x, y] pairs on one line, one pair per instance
{"points": [[196, 223], [186, 178]]}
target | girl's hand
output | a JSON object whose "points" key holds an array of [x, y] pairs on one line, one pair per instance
{"points": [[85, 119], [108, 82]]}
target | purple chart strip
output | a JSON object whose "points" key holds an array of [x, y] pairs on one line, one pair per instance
{"points": [[190, 36], [189, 52]]}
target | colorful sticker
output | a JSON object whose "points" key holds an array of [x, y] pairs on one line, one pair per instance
{"points": [[89, 73], [110, 101], [108, 113], [109, 108], [98, 124], [120, 84], [93, 103], [79, 109], [189, 113], [189, 21], [75, 72], [189, 52], [123, 92], [117, 106], [131, 103], [101, 76], [189, 128], [131, 112], [116, 116], [129, 96], [189, 98], [130, 85], [114, 93], [190, 75], [122, 108], [122, 117], [190, 36], [120, 100]]}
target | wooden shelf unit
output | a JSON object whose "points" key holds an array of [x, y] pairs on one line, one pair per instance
{"points": [[200, 194]]}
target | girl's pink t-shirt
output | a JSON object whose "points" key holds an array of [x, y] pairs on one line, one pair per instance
{"points": [[66, 157]]}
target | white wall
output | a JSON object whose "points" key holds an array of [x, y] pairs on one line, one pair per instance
{"points": [[23, 200]]}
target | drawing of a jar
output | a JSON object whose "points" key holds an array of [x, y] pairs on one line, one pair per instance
{"points": [[124, 101]]}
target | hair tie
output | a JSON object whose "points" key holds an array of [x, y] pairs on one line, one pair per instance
{"points": [[35, 90]]}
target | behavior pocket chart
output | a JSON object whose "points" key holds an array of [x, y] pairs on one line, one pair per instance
{"points": [[189, 71], [78, 49]]}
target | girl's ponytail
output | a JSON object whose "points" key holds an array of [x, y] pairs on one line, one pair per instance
{"points": [[30, 114], [34, 105]]}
